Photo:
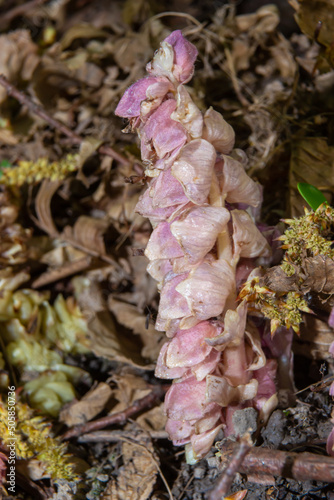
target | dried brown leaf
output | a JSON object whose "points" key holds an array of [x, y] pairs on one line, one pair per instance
{"points": [[109, 342], [312, 161], [319, 272], [84, 30], [129, 316], [88, 233], [276, 279], [18, 57], [135, 480], [315, 339], [310, 14], [130, 388], [43, 206], [92, 403]]}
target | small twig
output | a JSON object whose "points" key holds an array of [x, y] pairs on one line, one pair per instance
{"points": [[299, 466], [62, 272], [224, 483], [120, 417], [19, 10], [39, 111], [115, 436]]}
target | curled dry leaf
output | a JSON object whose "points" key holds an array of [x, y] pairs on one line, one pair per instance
{"points": [[18, 57], [316, 274], [88, 232], [109, 342], [315, 339], [129, 316], [312, 161], [136, 478], [92, 403], [43, 207], [308, 21]]}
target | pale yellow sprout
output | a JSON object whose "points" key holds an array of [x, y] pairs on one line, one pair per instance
{"points": [[35, 171]]}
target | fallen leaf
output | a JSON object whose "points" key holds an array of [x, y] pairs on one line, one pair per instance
{"points": [[129, 316], [137, 476], [315, 339], [112, 343], [312, 161], [309, 13], [92, 403], [88, 233], [18, 57], [43, 206], [319, 272]]}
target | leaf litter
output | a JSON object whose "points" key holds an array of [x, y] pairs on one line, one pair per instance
{"points": [[77, 309]]}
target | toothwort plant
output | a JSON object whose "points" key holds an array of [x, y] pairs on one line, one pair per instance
{"points": [[202, 206]]}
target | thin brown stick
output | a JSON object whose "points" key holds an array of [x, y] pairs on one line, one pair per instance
{"points": [[115, 436], [39, 111], [224, 483], [19, 10], [298, 466], [120, 417]]}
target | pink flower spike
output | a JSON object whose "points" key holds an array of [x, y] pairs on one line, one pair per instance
{"points": [[197, 230], [207, 287], [186, 400], [218, 131], [162, 244], [129, 105], [188, 347], [194, 169], [161, 135], [201, 444], [175, 59], [185, 54]]}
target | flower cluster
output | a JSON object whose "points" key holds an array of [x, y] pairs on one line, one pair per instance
{"points": [[201, 204]]}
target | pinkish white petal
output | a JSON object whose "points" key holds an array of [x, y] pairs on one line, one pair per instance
{"points": [[197, 230], [175, 58], [185, 400], [163, 371], [172, 304], [201, 443], [221, 392], [218, 132], [162, 62], [247, 239], [185, 54], [168, 191], [162, 244], [208, 365], [145, 207], [236, 185], [266, 379], [159, 268], [129, 105], [254, 340], [234, 328], [194, 169], [188, 114], [161, 134], [155, 94], [209, 420], [188, 347], [179, 431], [207, 287]]}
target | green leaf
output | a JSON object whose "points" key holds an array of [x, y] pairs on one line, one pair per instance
{"points": [[311, 195]]}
